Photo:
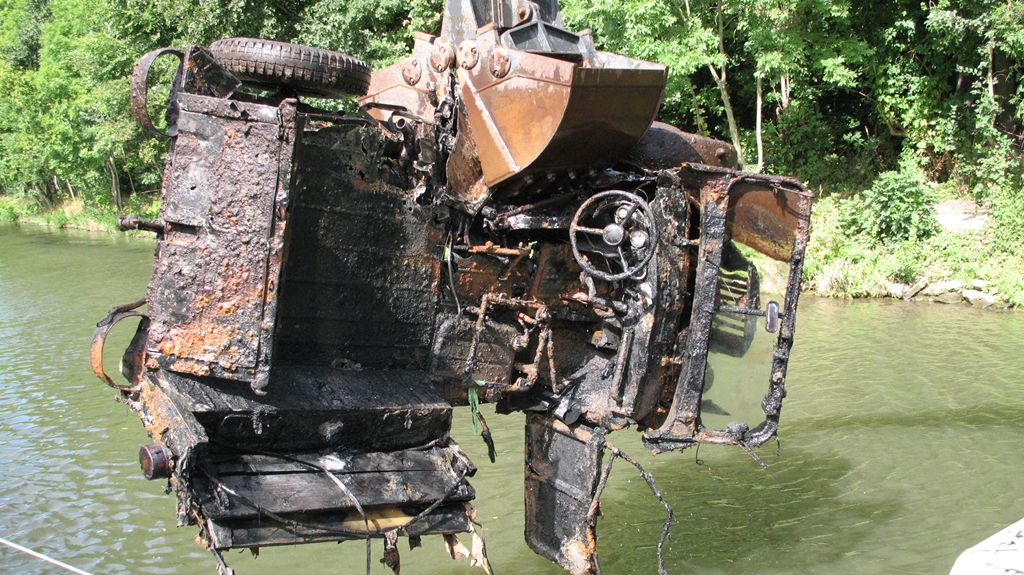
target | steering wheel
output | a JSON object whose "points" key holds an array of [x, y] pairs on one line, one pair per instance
{"points": [[619, 227]]}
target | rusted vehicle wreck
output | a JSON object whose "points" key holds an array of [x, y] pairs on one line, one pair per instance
{"points": [[503, 221]]}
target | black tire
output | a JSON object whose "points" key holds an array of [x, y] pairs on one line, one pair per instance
{"points": [[308, 71]]}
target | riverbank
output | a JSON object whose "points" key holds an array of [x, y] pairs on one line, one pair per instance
{"points": [[75, 214], [956, 265]]}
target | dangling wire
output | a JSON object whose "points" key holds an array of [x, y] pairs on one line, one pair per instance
{"points": [[746, 449], [222, 566], [647, 477], [367, 552]]}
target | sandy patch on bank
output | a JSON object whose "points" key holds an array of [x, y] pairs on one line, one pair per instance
{"points": [[960, 215]]}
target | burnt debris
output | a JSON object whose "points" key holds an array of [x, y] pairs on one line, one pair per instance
{"points": [[499, 223]]}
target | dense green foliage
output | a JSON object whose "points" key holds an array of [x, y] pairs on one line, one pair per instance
{"points": [[883, 107], [65, 131], [899, 207]]}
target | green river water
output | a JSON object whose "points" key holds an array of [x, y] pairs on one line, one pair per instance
{"points": [[902, 441]]}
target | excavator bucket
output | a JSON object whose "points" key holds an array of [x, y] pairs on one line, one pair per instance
{"points": [[586, 109], [582, 116]]}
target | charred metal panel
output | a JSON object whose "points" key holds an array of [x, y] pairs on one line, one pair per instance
{"points": [[657, 366], [301, 483], [332, 526], [563, 464], [681, 425], [277, 242], [494, 352], [251, 486], [266, 499], [360, 282], [309, 407], [209, 291]]}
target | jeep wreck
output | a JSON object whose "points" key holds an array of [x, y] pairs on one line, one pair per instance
{"points": [[502, 221]]}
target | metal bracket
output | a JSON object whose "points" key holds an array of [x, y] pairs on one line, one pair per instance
{"points": [[139, 93], [136, 350]]}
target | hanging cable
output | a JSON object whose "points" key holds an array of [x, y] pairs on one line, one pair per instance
{"points": [[42, 557]]}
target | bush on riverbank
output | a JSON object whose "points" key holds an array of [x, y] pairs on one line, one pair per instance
{"points": [[844, 264]]}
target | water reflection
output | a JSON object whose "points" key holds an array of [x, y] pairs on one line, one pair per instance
{"points": [[900, 446], [735, 386]]}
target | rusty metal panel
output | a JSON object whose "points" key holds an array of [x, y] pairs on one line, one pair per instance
{"points": [[209, 286], [563, 464], [766, 217], [665, 147]]}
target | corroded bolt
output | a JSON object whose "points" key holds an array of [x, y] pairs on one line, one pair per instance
{"points": [[155, 461], [411, 71], [524, 13], [468, 54], [500, 62], [441, 56]]}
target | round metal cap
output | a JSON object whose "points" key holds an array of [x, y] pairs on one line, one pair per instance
{"points": [[411, 71], [468, 54], [613, 234], [155, 461]]}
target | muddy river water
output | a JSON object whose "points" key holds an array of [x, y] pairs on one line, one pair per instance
{"points": [[902, 444]]}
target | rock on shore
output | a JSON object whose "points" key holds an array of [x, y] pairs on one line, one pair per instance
{"points": [[940, 288], [979, 297], [949, 292]]}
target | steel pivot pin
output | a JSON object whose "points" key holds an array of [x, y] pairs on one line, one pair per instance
{"points": [[468, 54], [411, 71], [500, 62]]}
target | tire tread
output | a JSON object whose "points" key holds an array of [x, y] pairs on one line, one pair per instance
{"points": [[310, 71]]}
